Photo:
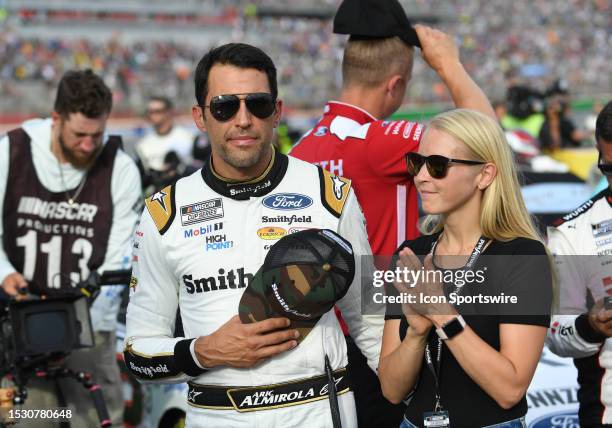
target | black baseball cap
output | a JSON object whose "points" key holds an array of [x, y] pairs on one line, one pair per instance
{"points": [[303, 275], [374, 19]]}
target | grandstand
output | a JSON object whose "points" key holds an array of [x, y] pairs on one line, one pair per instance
{"points": [[140, 46]]}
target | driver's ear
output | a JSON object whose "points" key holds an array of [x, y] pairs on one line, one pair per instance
{"points": [[197, 113], [278, 113]]}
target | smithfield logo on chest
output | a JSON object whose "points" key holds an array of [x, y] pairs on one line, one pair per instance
{"points": [[288, 219], [226, 279], [287, 201]]}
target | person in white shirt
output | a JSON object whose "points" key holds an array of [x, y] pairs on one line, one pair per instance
{"points": [[69, 201], [166, 137]]}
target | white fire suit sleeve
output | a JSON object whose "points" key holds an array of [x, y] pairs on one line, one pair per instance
{"points": [[152, 353], [366, 330], [570, 334], [125, 188]]}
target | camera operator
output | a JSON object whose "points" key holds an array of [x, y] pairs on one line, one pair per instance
{"points": [[70, 204], [558, 130], [525, 110]]}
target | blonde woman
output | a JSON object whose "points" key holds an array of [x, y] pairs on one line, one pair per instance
{"points": [[471, 370]]}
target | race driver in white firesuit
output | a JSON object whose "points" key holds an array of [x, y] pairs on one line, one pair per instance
{"points": [[200, 241], [582, 245]]}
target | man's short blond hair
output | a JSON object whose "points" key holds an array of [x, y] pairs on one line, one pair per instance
{"points": [[370, 62]]}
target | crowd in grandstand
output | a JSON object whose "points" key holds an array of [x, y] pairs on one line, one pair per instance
{"points": [[523, 64], [501, 42]]}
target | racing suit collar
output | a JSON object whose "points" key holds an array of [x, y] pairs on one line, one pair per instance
{"points": [[606, 194], [255, 187], [337, 108]]}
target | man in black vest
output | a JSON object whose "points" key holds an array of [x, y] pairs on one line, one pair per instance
{"points": [[70, 205]]}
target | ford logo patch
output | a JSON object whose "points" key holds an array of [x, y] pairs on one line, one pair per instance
{"points": [[321, 131], [567, 419], [287, 201]]}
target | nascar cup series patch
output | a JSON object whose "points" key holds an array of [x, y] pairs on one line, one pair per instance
{"points": [[201, 211]]}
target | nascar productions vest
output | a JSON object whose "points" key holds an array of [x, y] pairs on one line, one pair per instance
{"points": [[53, 243]]}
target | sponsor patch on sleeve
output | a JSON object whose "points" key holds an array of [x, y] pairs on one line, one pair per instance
{"points": [[150, 367], [161, 208], [418, 131], [334, 191]]}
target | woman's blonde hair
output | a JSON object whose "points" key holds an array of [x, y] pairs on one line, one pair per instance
{"points": [[503, 215]]}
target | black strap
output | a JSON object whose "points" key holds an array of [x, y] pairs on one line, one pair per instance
{"points": [[436, 371], [332, 394]]}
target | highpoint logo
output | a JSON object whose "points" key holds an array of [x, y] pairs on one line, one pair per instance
{"points": [[218, 242]]}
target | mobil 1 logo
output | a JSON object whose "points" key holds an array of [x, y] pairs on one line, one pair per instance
{"points": [[201, 211]]}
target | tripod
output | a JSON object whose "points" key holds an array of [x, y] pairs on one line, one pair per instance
{"points": [[56, 373]]}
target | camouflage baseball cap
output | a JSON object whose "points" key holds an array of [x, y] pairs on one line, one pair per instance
{"points": [[303, 276]]}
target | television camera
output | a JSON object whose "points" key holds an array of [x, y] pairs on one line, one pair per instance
{"points": [[38, 331]]}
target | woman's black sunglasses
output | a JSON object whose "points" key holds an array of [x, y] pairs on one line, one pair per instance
{"points": [[437, 165], [605, 168], [224, 107]]}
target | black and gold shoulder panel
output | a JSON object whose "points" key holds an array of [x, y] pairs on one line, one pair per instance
{"points": [[162, 208], [334, 191]]}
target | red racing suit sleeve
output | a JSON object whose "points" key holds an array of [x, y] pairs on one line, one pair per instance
{"points": [[388, 142]]}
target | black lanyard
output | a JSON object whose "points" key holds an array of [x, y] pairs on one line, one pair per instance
{"points": [[436, 371]]}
